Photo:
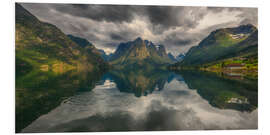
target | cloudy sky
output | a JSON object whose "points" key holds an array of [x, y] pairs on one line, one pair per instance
{"points": [[178, 28]]}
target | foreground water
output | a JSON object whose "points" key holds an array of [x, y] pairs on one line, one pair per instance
{"points": [[142, 100]]}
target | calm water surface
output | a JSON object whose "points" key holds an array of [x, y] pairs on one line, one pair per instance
{"points": [[142, 100]]}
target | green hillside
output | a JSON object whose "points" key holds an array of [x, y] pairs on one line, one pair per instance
{"points": [[221, 44], [222, 48], [46, 60], [43, 46]]}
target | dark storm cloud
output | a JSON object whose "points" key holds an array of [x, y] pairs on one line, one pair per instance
{"points": [[215, 9], [167, 16], [116, 36], [108, 25], [183, 42], [179, 42], [161, 17], [164, 18], [179, 39], [249, 15], [123, 35], [109, 13], [112, 44]]}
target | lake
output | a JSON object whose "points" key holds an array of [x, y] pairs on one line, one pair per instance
{"points": [[135, 100]]}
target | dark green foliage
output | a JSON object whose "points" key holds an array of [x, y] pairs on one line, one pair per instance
{"points": [[22, 67]]}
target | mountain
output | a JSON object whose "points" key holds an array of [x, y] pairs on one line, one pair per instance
{"points": [[177, 58], [80, 41], [223, 44], [43, 46], [104, 55], [180, 57], [172, 57], [140, 52], [84, 43]]}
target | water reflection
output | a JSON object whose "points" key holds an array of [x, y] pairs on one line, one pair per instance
{"points": [[38, 92], [142, 100], [139, 81], [224, 91]]}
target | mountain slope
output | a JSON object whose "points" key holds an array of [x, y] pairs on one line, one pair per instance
{"points": [[177, 58], [140, 52], [222, 44], [84, 43], [80, 41], [43, 46], [180, 57], [172, 57]]}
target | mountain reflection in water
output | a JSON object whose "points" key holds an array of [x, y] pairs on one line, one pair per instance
{"points": [[143, 100]]}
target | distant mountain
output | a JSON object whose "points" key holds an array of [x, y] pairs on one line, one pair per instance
{"points": [[180, 57], [222, 44], [104, 55], [140, 52], [172, 57], [41, 45], [177, 58]]}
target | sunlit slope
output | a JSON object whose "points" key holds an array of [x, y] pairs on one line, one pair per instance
{"points": [[222, 44], [43, 46]]}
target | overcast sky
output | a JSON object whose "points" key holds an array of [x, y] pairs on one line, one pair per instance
{"points": [[177, 28]]}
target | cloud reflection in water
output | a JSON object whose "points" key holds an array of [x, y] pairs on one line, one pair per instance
{"points": [[176, 107]]}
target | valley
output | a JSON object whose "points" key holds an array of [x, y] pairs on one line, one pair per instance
{"points": [[67, 83]]}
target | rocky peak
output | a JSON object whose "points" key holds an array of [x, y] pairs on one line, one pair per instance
{"points": [[161, 50], [148, 43], [138, 39], [140, 49]]}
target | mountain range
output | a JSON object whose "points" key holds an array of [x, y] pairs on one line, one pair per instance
{"points": [[43, 45], [153, 52]]}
